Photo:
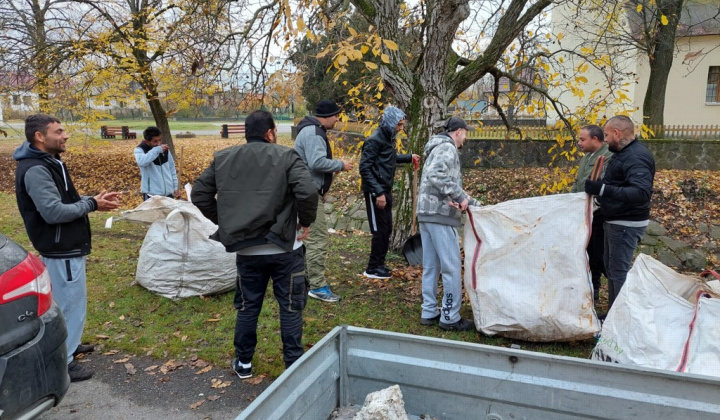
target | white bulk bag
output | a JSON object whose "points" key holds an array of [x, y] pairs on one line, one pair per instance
{"points": [[526, 268], [702, 351], [177, 259], [648, 322]]}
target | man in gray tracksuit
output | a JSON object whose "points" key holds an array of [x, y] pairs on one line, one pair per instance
{"points": [[441, 201]]}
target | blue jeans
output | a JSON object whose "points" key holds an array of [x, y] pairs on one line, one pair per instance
{"points": [[287, 271], [69, 290], [620, 243], [441, 256]]}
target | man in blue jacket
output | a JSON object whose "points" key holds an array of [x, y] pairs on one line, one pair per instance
{"points": [[624, 196], [56, 220], [314, 148], [377, 170], [157, 167]]}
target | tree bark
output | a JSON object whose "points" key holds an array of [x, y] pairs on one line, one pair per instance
{"points": [[661, 58]]}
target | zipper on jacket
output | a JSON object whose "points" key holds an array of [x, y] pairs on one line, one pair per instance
{"points": [[57, 233]]}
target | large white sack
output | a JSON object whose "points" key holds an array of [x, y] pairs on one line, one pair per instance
{"points": [[529, 278], [649, 321], [177, 259], [702, 352]]}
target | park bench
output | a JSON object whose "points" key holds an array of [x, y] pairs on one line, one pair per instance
{"points": [[228, 129], [108, 132]]}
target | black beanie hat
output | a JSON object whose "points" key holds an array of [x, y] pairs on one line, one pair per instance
{"points": [[327, 108]]}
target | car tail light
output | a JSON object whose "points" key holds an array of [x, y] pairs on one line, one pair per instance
{"points": [[30, 277]]}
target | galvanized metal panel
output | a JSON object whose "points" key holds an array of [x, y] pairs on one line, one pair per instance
{"points": [[456, 380], [308, 390]]}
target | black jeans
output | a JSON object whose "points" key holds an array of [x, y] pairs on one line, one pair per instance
{"points": [[381, 227], [146, 196], [290, 288], [595, 249]]}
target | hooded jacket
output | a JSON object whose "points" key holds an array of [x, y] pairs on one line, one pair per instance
{"points": [[379, 157], [314, 149], [628, 184], [157, 170], [55, 215], [257, 194], [441, 183]]}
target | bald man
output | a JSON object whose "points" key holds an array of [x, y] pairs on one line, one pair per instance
{"points": [[624, 196]]}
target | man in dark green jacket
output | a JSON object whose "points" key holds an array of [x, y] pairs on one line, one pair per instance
{"points": [[591, 141], [263, 200]]}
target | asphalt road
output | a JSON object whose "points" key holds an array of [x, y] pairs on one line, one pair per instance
{"points": [[155, 389]]}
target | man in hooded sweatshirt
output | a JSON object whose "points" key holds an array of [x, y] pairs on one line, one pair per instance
{"points": [[441, 201], [314, 148], [157, 167], [377, 170], [57, 223]]}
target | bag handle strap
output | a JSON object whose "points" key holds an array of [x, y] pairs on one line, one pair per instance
{"points": [[686, 348], [597, 168], [708, 273]]}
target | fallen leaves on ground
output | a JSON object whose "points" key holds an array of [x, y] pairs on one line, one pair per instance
{"points": [[130, 368], [219, 383], [255, 380]]}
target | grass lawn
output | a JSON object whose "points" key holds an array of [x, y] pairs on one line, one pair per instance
{"points": [[126, 317]]}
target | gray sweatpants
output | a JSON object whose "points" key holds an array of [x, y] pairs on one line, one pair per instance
{"points": [[67, 276], [441, 256]]}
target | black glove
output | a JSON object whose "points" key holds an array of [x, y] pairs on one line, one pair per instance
{"points": [[593, 187]]}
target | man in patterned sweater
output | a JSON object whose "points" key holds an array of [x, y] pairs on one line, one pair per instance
{"points": [[441, 201]]}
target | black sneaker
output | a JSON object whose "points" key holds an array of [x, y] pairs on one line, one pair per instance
{"points": [[430, 321], [463, 325], [377, 273], [242, 372], [84, 348], [78, 372]]}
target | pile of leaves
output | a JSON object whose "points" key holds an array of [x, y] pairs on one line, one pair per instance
{"points": [[681, 202]]}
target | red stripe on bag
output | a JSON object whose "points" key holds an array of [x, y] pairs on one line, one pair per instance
{"points": [[686, 347], [476, 254]]}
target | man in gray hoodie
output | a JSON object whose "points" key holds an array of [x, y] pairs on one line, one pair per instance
{"points": [[314, 149], [441, 201], [57, 223]]}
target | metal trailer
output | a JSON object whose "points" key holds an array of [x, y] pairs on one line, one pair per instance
{"points": [[446, 379]]}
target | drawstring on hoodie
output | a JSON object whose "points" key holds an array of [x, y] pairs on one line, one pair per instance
{"points": [[62, 169]]}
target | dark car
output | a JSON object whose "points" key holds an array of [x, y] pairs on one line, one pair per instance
{"points": [[33, 358]]}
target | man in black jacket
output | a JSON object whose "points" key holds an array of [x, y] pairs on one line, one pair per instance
{"points": [[263, 200], [624, 197], [56, 220], [377, 170]]}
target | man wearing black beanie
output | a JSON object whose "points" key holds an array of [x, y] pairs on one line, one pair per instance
{"points": [[314, 148]]}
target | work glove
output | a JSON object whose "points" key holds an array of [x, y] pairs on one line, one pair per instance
{"points": [[593, 187]]}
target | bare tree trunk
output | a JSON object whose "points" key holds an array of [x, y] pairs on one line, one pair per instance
{"points": [[661, 59]]}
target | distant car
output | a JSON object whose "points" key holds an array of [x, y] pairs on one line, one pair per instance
{"points": [[33, 357]]}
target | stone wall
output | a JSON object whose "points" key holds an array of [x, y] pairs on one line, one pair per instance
{"points": [[669, 154]]}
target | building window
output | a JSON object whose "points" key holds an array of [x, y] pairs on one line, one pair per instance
{"points": [[27, 100], [16, 99], [712, 94]]}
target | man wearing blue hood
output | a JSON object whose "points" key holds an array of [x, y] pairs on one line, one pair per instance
{"points": [[56, 221], [377, 170], [441, 201]]}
